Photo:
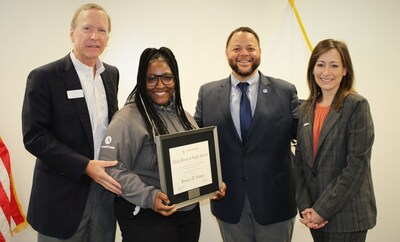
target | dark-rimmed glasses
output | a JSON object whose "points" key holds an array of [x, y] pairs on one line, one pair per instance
{"points": [[166, 79]]}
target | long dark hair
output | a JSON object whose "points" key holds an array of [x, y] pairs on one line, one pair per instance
{"points": [[346, 85], [143, 101]]}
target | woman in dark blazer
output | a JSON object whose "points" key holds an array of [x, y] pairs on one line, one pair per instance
{"points": [[335, 135]]}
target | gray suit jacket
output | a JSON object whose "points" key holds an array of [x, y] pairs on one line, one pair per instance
{"points": [[262, 168], [57, 130], [338, 183]]}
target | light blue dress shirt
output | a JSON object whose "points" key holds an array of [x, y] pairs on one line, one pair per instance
{"points": [[235, 95]]}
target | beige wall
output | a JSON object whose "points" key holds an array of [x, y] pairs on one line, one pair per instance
{"points": [[36, 32]]}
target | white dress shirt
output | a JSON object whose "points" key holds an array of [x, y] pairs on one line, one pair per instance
{"points": [[96, 99]]}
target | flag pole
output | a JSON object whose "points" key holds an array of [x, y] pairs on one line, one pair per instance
{"points": [[301, 24]]}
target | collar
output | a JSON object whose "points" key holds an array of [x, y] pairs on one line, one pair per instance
{"points": [[253, 80], [168, 107], [82, 68]]}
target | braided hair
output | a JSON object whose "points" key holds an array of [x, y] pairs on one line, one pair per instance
{"points": [[144, 103]]}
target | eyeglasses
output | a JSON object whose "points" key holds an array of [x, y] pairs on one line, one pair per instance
{"points": [[166, 79]]}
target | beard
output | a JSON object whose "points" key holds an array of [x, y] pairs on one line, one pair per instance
{"points": [[236, 69]]}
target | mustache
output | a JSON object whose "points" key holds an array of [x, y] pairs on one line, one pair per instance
{"points": [[235, 68]]}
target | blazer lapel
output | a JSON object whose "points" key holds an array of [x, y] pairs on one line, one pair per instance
{"points": [[262, 102], [72, 82], [329, 122], [105, 76], [307, 130], [262, 99], [224, 100]]}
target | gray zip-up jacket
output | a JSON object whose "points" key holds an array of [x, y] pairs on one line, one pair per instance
{"points": [[128, 141]]}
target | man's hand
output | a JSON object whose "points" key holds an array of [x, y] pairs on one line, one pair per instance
{"points": [[96, 170], [221, 193]]}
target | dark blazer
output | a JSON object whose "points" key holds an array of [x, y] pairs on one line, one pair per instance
{"points": [[338, 183], [58, 132], [262, 168]]}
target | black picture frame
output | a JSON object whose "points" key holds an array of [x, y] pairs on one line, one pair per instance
{"points": [[165, 143]]}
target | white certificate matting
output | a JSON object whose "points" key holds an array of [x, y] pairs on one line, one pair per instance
{"points": [[190, 166]]}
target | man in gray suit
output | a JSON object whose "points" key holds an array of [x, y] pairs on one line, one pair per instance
{"points": [[255, 146]]}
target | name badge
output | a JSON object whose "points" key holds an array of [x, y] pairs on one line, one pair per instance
{"points": [[72, 94]]}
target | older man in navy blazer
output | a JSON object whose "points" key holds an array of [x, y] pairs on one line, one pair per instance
{"points": [[67, 107], [257, 166]]}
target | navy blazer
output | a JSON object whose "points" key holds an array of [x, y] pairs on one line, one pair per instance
{"points": [[57, 130], [262, 168], [338, 183]]}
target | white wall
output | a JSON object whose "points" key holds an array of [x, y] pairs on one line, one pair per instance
{"points": [[36, 32]]}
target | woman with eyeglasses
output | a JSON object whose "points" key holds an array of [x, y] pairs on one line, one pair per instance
{"points": [[153, 108]]}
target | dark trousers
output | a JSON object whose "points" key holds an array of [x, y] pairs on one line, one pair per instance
{"points": [[149, 226], [320, 236], [98, 220]]}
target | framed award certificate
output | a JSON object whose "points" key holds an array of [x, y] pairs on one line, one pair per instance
{"points": [[189, 165]]}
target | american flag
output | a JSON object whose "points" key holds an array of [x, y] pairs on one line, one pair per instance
{"points": [[12, 218]]}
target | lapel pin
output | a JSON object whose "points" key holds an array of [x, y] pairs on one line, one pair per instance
{"points": [[265, 91]]}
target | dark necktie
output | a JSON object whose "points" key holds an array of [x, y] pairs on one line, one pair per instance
{"points": [[245, 111]]}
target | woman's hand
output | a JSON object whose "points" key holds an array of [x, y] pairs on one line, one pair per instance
{"points": [[161, 205], [312, 219]]}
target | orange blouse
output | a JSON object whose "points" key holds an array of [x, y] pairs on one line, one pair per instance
{"points": [[320, 114]]}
